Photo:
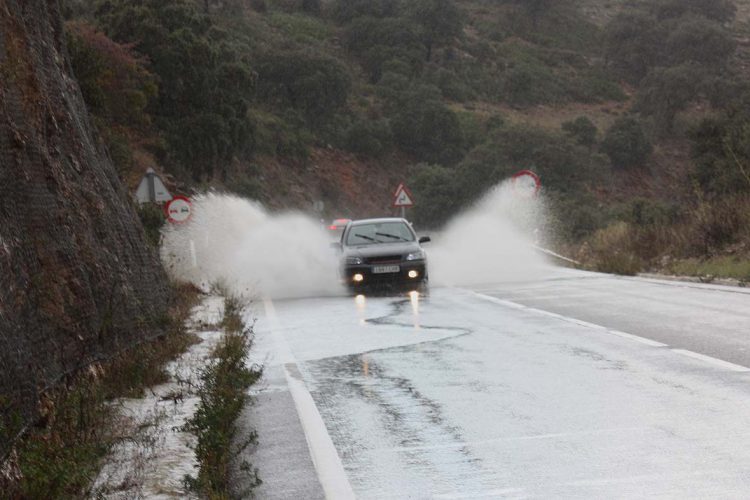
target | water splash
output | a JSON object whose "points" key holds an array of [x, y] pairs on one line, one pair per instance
{"points": [[236, 242], [492, 242], [239, 244]]}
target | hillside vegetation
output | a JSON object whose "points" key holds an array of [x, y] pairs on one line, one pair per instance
{"points": [[633, 113]]}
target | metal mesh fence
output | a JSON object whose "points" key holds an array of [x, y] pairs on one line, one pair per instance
{"points": [[77, 280]]}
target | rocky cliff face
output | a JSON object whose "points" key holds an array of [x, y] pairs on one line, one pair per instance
{"points": [[77, 280]]}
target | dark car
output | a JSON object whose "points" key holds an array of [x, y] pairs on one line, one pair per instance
{"points": [[382, 251]]}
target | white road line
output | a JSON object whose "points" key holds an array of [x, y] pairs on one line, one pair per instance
{"points": [[575, 321], [714, 361], [708, 359], [325, 458], [642, 340]]}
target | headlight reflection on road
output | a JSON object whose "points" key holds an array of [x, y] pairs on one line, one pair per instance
{"points": [[361, 303], [414, 298]]}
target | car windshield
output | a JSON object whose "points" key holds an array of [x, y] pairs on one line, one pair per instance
{"points": [[383, 232]]}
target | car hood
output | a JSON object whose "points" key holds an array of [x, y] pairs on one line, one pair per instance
{"points": [[376, 250]]}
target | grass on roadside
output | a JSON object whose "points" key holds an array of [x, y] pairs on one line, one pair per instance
{"points": [[223, 394], [713, 267], [61, 455]]}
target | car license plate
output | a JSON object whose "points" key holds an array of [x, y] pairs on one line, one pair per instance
{"points": [[385, 269]]}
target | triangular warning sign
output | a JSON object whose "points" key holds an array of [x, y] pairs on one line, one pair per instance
{"points": [[403, 197]]}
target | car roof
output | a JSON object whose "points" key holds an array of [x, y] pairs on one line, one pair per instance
{"points": [[378, 220]]}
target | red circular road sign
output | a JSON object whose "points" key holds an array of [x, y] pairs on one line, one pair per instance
{"points": [[526, 183], [179, 209]]}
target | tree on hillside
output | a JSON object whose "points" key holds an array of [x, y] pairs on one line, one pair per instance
{"points": [[626, 144], [439, 21], [582, 130], [344, 11], [313, 84], [718, 10], [537, 9], [429, 130], [438, 193], [205, 86], [721, 150], [698, 40], [632, 45], [376, 42], [114, 81], [667, 91]]}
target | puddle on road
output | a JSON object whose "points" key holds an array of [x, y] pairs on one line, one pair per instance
{"points": [[398, 312], [409, 425], [406, 429]]}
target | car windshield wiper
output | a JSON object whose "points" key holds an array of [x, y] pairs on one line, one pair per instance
{"points": [[392, 236], [365, 237]]}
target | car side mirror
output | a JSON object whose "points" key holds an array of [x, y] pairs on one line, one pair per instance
{"points": [[425, 239], [336, 245]]}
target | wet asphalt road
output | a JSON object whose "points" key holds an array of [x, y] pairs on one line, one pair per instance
{"points": [[576, 385]]}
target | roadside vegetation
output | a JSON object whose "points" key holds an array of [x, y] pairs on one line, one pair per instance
{"points": [[223, 394], [61, 454], [634, 114]]}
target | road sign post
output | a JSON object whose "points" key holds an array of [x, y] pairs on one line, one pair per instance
{"points": [[402, 199]]}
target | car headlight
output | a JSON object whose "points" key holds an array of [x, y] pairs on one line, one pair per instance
{"points": [[353, 261], [416, 255]]}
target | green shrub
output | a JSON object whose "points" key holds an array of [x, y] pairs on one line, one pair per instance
{"points": [[427, 129], [529, 84], [667, 91], [317, 86], [626, 144], [222, 396], [438, 22], [113, 79], [582, 130], [375, 42], [301, 28], [283, 136], [152, 218], [369, 137], [721, 151], [344, 11], [633, 44], [438, 193], [205, 83]]}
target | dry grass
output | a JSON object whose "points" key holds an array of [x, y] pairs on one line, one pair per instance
{"points": [[712, 238], [726, 266]]}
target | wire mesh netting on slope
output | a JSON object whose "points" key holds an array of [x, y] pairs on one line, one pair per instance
{"points": [[77, 280]]}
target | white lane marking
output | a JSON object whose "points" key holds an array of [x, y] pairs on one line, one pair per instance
{"points": [[325, 458], [549, 314], [483, 493], [636, 338], [714, 361]]}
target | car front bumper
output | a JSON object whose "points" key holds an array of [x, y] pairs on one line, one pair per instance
{"points": [[351, 274]]}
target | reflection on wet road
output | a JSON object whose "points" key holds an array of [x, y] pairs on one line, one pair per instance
{"points": [[454, 395]]}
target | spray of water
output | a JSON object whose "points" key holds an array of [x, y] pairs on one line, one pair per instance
{"points": [[492, 242], [236, 243]]}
